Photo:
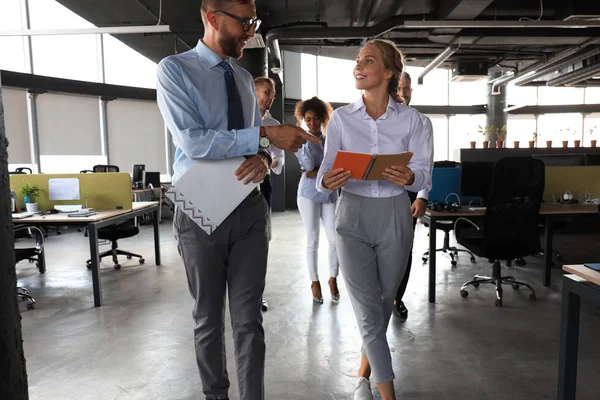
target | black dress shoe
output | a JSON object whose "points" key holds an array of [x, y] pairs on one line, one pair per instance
{"points": [[400, 310]]}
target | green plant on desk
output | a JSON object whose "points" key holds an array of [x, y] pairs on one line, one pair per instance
{"points": [[30, 192]]}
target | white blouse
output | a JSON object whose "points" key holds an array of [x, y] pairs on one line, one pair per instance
{"points": [[398, 130]]}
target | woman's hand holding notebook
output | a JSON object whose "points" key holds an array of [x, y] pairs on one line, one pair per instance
{"points": [[369, 166]]}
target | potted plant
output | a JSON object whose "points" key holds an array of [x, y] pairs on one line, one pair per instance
{"points": [[592, 133], [500, 136], [548, 142], [533, 140], [472, 142], [565, 142], [484, 131], [29, 193], [576, 142]]}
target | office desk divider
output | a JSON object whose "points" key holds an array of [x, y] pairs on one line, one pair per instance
{"points": [[576, 179], [106, 191]]}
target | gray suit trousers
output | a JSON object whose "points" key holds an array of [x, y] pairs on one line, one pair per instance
{"points": [[232, 260]]}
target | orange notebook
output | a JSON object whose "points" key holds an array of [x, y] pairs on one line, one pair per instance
{"points": [[369, 166]]}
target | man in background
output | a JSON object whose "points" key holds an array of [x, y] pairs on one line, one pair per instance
{"points": [[418, 201], [265, 95]]}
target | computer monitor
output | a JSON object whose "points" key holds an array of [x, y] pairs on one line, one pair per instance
{"points": [[152, 178], [446, 187], [476, 178], [138, 173]]}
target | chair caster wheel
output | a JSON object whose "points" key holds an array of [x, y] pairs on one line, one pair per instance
{"points": [[532, 297], [516, 287], [473, 260], [117, 266], [453, 263], [88, 265], [58, 233], [498, 302], [30, 306], [142, 261], [476, 285], [464, 294], [424, 260], [78, 229], [31, 261], [129, 257]]}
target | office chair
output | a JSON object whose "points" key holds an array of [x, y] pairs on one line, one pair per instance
{"points": [[509, 229], [33, 254], [115, 233], [105, 168], [86, 171], [451, 184]]}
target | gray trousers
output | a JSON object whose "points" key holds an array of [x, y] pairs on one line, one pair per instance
{"points": [[373, 239], [234, 260]]}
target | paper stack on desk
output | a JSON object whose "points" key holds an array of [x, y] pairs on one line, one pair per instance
{"points": [[209, 191]]}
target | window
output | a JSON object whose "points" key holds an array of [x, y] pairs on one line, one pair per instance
{"points": [[16, 126], [559, 127], [12, 48], [433, 91], [440, 137], [592, 95], [468, 93], [521, 95], [63, 56], [125, 66], [520, 128], [591, 129], [336, 80], [560, 96], [308, 75], [463, 130]]}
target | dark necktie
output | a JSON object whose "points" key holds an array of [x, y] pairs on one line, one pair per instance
{"points": [[235, 112]]}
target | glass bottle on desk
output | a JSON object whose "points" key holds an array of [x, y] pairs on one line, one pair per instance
{"points": [[13, 201]]}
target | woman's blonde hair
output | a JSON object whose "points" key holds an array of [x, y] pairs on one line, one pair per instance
{"points": [[322, 108], [393, 60]]}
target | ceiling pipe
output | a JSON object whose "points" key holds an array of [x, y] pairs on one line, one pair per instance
{"points": [[400, 21], [443, 56], [500, 81], [575, 76], [557, 66]]}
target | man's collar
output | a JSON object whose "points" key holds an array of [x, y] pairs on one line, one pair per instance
{"points": [[211, 58]]}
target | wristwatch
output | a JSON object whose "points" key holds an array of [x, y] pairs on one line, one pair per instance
{"points": [[264, 141]]}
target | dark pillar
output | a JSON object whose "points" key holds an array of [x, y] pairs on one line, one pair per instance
{"points": [[496, 104], [255, 62], [13, 375]]}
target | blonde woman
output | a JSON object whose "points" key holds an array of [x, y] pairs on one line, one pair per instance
{"points": [[373, 221], [314, 206]]}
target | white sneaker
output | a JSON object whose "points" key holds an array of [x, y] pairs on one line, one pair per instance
{"points": [[363, 390]]}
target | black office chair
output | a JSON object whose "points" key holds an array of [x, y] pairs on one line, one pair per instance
{"points": [[447, 226], [105, 168], [33, 254], [21, 171], [509, 229], [114, 233]]}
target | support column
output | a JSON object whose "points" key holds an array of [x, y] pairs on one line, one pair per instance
{"points": [[495, 109], [104, 128], [34, 141]]}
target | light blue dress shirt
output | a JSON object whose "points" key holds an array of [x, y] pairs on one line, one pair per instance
{"points": [[398, 130], [310, 156], [192, 99]]}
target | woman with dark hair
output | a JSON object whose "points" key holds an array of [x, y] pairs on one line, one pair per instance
{"points": [[313, 205], [373, 221]]}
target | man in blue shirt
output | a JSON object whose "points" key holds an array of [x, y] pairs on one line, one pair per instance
{"points": [[209, 107]]}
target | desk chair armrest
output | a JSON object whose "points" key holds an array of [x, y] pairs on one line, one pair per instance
{"points": [[467, 220], [39, 241]]}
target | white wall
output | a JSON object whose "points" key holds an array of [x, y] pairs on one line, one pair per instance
{"points": [[16, 124], [292, 75], [136, 135]]}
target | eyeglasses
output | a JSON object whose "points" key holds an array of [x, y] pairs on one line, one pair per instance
{"points": [[247, 23]]}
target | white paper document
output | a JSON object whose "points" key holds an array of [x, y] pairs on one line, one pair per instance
{"points": [[209, 191], [64, 188]]}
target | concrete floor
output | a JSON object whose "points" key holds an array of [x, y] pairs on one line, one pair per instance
{"points": [[139, 345]]}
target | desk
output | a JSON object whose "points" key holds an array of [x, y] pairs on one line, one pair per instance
{"points": [[95, 222], [155, 194], [548, 211], [585, 283]]}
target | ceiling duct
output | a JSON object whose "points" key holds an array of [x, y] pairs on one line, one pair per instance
{"points": [[576, 76], [443, 56], [557, 66]]}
